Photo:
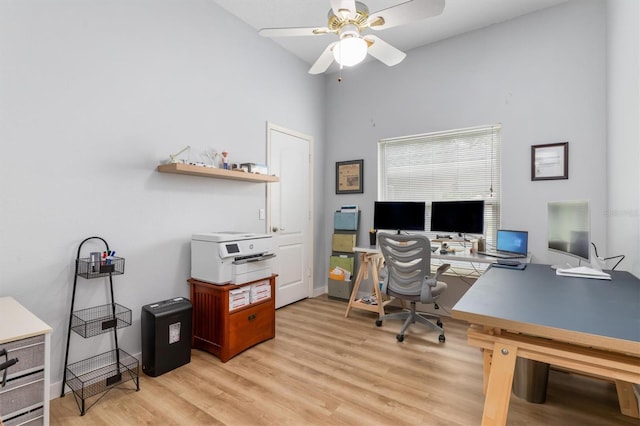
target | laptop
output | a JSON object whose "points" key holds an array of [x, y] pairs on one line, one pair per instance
{"points": [[509, 245]]}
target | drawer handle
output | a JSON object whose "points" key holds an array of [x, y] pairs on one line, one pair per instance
{"points": [[252, 317], [5, 366]]}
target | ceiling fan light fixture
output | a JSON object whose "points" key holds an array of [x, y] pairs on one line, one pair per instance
{"points": [[350, 51]]}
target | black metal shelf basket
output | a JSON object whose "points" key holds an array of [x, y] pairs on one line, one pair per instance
{"points": [[100, 319], [88, 268], [97, 374]]}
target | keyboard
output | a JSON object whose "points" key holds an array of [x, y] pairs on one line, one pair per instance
{"points": [[502, 255]]}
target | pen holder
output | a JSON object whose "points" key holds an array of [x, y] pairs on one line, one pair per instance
{"points": [[372, 238], [92, 268]]}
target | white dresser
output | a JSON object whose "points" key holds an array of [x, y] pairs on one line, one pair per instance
{"points": [[24, 400]]}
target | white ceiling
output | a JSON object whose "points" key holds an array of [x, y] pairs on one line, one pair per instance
{"points": [[459, 16]]}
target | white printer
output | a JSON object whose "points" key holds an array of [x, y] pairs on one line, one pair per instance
{"points": [[231, 257]]}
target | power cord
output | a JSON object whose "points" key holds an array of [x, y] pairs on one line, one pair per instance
{"points": [[621, 256]]}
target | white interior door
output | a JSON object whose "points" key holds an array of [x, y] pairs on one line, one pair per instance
{"points": [[289, 216]]}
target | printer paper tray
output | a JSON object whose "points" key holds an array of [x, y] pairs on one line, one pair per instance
{"points": [[254, 259]]}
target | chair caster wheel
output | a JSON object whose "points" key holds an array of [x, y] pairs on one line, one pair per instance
{"points": [[400, 337], [441, 338], [439, 323], [378, 323]]}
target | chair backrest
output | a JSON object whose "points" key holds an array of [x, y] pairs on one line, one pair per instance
{"points": [[408, 261]]}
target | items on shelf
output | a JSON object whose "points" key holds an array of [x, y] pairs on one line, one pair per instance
{"points": [[209, 171], [173, 158], [257, 168], [225, 160]]}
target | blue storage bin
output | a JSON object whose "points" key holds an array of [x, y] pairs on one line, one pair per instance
{"points": [[345, 221]]}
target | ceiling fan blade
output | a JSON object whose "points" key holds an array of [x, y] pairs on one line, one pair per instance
{"points": [[293, 32], [403, 13], [324, 61], [343, 8], [383, 51]]}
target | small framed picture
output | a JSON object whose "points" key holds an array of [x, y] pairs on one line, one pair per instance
{"points": [[550, 161], [349, 177]]}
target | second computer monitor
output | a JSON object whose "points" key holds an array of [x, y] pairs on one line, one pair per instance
{"points": [[463, 217]]}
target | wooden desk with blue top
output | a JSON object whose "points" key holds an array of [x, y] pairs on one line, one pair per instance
{"points": [[586, 325]]}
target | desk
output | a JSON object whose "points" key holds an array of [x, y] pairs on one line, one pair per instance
{"points": [[371, 261], [464, 256], [587, 325]]}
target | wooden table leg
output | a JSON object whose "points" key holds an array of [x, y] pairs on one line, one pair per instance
{"points": [[627, 399], [486, 368], [354, 293], [496, 402], [375, 279]]}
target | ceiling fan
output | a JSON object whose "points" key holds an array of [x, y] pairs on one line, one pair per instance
{"points": [[348, 19]]}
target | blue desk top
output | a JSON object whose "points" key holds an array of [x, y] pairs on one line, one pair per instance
{"points": [[537, 296]]}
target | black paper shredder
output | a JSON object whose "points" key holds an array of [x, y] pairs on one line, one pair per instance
{"points": [[166, 335]]}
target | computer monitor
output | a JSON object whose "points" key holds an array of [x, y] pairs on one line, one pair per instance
{"points": [[399, 215], [462, 217], [568, 228]]}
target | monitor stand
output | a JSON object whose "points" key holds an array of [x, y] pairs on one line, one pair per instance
{"points": [[566, 265]]}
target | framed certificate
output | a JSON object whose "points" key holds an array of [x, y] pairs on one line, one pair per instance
{"points": [[349, 177], [550, 161]]}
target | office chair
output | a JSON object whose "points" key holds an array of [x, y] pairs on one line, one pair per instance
{"points": [[407, 276]]}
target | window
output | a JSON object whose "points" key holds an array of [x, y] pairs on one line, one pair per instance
{"points": [[454, 165]]}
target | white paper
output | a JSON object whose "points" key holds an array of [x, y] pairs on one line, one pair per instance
{"points": [[583, 272]]}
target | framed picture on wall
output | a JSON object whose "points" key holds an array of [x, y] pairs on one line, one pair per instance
{"points": [[349, 177], [550, 161]]}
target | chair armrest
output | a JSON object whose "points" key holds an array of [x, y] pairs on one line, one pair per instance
{"points": [[432, 281], [441, 270]]}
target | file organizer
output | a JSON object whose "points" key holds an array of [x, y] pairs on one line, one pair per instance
{"points": [[343, 240], [345, 221]]}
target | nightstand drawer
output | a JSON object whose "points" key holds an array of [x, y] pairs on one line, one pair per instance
{"points": [[30, 354], [21, 393], [31, 418]]}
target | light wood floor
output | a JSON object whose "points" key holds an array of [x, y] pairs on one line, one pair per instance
{"points": [[324, 369]]}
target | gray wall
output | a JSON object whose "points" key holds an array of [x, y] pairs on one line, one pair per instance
{"points": [[543, 76], [623, 90], [93, 96]]}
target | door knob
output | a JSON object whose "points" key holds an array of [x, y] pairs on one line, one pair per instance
{"points": [[274, 229]]}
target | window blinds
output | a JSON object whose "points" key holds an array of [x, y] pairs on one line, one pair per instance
{"points": [[453, 165]]}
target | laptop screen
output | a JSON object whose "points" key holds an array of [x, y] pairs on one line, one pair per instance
{"points": [[512, 241]]}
